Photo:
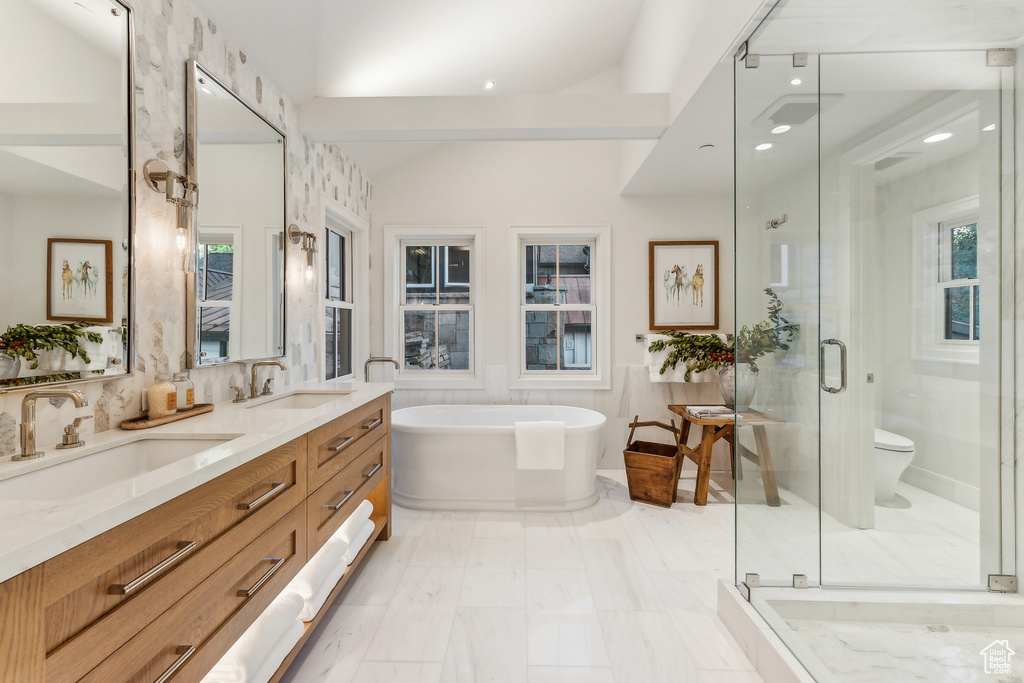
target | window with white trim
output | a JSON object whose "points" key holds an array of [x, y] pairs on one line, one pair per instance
{"points": [[218, 301], [957, 278], [436, 306], [561, 337], [339, 307]]}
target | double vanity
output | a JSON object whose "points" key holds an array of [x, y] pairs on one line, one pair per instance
{"points": [[143, 556]]}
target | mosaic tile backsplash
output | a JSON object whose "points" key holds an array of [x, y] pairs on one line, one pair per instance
{"points": [[167, 34]]}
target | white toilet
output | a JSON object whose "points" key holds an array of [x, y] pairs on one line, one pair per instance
{"points": [[893, 454]]}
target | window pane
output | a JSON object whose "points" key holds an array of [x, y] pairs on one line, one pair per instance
{"points": [[958, 313], [964, 243], [215, 272], [977, 313], [420, 268], [420, 342], [335, 264], [576, 340], [531, 269], [541, 340], [344, 328], [574, 274], [457, 272], [453, 339], [330, 344], [214, 326]]}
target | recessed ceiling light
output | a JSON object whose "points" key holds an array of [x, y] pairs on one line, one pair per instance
{"points": [[779, 130], [489, 85], [795, 81], [938, 137], [989, 127], [763, 146]]}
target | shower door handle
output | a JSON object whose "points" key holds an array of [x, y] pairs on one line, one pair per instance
{"points": [[842, 366]]}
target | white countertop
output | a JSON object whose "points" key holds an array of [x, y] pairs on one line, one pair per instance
{"points": [[33, 531]]}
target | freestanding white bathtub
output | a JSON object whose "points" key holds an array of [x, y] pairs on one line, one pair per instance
{"points": [[464, 458]]}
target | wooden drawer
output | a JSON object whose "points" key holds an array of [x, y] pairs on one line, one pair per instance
{"points": [[331, 504], [180, 543], [334, 445], [214, 614]]}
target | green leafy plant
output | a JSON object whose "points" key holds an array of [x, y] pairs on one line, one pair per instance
{"points": [[27, 340], [707, 351]]}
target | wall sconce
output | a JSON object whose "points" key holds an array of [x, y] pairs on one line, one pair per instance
{"points": [[181, 192], [308, 242]]}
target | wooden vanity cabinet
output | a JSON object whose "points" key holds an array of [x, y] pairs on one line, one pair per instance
{"points": [[69, 618]]}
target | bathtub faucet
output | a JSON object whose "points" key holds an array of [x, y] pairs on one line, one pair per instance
{"points": [[377, 359]]}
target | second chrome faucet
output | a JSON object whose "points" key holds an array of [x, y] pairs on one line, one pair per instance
{"points": [[254, 378]]}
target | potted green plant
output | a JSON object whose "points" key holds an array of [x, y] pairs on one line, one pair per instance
{"points": [[735, 357], [27, 341]]}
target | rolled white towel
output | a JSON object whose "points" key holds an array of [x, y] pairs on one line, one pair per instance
{"points": [[351, 526], [246, 657], [359, 541], [540, 445], [277, 652], [322, 571]]}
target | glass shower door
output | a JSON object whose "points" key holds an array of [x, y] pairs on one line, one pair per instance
{"points": [[911, 237]]}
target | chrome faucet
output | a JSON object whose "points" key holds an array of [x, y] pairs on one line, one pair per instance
{"points": [[28, 418], [377, 359], [255, 379]]}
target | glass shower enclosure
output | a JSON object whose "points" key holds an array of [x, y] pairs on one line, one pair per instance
{"points": [[874, 198]]}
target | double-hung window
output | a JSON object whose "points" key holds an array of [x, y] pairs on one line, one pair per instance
{"points": [[436, 287], [339, 307], [560, 307], [958, 280], [217, 299]]}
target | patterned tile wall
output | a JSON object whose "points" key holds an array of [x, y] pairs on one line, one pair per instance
{"points": [[167, 34]]}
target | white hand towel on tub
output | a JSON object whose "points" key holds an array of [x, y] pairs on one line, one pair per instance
{"points": [[266, 636], [323, 571], [540, 445], [358, 541]]}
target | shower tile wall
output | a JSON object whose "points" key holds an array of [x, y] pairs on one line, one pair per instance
{"points": [[167, 34]]}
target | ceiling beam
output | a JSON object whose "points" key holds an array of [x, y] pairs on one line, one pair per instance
{"points": [[493, 117]]}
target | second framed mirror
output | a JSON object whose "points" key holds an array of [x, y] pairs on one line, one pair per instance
{"points": [[236, 302]]}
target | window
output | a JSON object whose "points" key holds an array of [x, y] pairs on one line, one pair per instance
{"points": [[435, 288], [216, 298], [338, 304], [561, 339], [958, 280], [947, 290]]}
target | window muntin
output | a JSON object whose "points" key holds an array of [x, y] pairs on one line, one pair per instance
{"points": [[436, 318]]}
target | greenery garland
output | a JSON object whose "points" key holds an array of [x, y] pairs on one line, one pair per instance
{"points": [[27, 340], [706, 351]]}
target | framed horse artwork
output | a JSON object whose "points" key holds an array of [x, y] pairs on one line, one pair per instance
{"points": [[684, 285], [79, 280]]}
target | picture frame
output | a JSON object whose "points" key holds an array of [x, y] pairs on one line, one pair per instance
{"points": [[677, 302], [79, 280]]}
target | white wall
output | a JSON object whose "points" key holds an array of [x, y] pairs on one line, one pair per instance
{"points": [[503, 184]]}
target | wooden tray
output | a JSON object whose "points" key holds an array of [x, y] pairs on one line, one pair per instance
{"points": [[146, 423]]}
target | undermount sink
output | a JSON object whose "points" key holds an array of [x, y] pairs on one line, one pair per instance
{"points": [[104, 467], [302, 400]]}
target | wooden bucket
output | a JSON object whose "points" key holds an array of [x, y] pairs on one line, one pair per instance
{"points": [[652, 469]]}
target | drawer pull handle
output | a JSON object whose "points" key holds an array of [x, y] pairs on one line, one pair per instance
{"points": [[343, 445], [275, 488], [336, 506], [373, 471], [278, 563], [184, 548], [184, 652], [373, 423]]}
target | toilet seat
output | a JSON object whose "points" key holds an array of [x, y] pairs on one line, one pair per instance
{"points": [[887, 441]]}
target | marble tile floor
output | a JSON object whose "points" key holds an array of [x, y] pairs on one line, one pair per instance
{"points": [[616, 593]]}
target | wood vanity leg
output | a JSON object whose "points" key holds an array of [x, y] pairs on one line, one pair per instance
{"points": [[764, 459], [707, 440]]}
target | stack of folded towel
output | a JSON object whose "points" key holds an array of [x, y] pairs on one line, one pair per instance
{"points": [[356, 531], [257, 655]]}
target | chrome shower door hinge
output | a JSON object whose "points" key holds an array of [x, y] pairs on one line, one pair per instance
{"points": [[1002, 583], [1000, 57], [799, 580]]}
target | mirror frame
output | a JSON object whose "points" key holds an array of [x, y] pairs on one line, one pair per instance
{"points": [[194, 69], [130, 179]]}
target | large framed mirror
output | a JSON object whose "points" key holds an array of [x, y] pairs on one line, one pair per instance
{"points": [[66, 191], [236, 306]]}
